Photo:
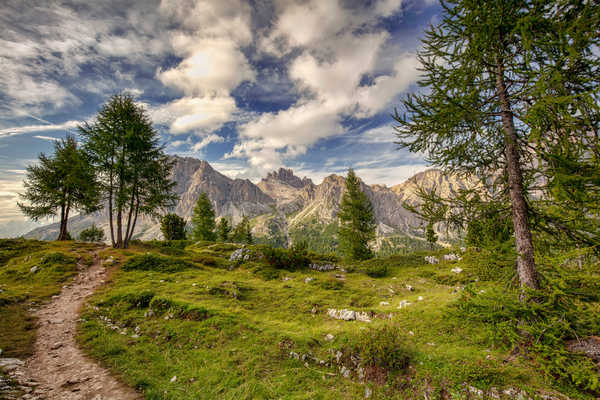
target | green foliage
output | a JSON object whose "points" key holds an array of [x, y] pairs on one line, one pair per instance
{"points": [[203, 219], [10, 248], [223, 230], [92, 234], [377, 268], [242, 233], [542, 323], [384, 348], [430, 235], [321, 238], [152, 262], [133, 169], [357, 220], [331, 284], [489, 224], [172, 227], [178, 309], [64, 182], [294, 258]]}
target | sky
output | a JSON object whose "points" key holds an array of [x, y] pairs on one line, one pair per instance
{"points": [[249, 86]]}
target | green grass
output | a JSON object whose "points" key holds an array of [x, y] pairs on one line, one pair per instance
{"points": [[226, 331]]}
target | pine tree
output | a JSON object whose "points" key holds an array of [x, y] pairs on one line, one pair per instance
{"points": [[133, 167], [430, 234], [242, 233], [203, 219], [357, 220], [223, 230], [492, 70], [172, 227], [64, 182]]}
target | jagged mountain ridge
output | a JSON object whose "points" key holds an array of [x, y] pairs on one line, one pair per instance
{"points": [[281, 201]]}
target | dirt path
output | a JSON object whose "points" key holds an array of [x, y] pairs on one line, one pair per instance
{"points": [[60, 369]]}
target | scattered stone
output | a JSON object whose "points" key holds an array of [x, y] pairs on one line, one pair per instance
{"points": [[420, 298], [360, 372], [410, 288], [34, 269], [463, 249], [308, 279], [194, 284], [242, 254], [411, 333], [384, 303], [314, 310], [590, 347], [173, 379], [135, 336], [349, 315], [403, 304], [368, 392], [452, 257], [345, 372], [432, 260], [322, 267], [56, 346], [457, 270], [329, 337], [295, 355]]}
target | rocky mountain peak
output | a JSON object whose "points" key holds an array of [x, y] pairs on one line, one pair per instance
{"points": [[286, 175]]}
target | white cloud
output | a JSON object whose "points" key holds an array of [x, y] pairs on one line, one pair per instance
{"points": [[194, 114], [38, 128], [206, 141], [49, 138]]}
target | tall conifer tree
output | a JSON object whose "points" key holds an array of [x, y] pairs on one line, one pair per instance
{"points": [[357, 220], [203, 219], [491, 69]]}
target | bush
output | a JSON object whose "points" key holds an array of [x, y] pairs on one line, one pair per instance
{"points": [[58, 259], [152, 262], [133, 300], [376, 268], [290, 259], [92, 234], [383, 348], [172, 227]]}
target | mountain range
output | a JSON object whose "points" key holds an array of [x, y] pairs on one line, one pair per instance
{"points": [[284, 207]]}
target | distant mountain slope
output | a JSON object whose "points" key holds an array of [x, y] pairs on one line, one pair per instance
{"points": [[283, 206]]}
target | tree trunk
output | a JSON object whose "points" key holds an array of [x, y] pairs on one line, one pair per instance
{"points": [[525, 258], [119, 244], [65, 226], [61, 235], [110, 206], [137, 207], [131, 206]]}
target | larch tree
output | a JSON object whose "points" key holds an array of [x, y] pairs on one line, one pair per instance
{"points": [[63, 183], [356, 220], [223, 230], [134, 170], [489, 69], [203, 219]]}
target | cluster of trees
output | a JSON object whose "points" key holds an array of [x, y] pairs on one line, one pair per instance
{"points": [[204, 226], [511, 96], [120, 166]]}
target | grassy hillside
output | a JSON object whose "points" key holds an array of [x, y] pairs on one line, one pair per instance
{"points": [[183, 322]]}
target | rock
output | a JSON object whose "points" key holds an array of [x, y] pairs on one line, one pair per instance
{"points": [[295, 355], [322, 267], [457, 270], [329, 337], [34, 269], [346, 315], [194, 284], [411, 333], [173, 379], [314, 310], [452, 257], [242, 254], [286, 278], [308, 279], [410, 288], [368, 392], [463, 249], [403, 304], [345, 372], [360, 372], [338, 356], [384, 303], [363, 316], [432, 260], [420, 298], [589, 347]]}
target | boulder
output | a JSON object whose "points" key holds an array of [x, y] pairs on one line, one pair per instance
{"points": [[432, 260]]}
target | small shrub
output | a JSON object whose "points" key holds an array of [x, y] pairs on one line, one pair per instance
{"points": [[228, 289], [58, 259], [383, 349], [290, 259], [92, 234], [376, 269], [152, 262], [133, 300], [268, 273]]}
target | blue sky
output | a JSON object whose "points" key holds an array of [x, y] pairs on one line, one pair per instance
{"points": [[250, 86]]}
